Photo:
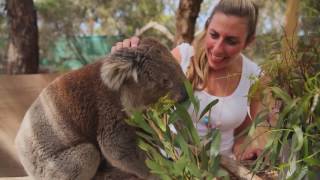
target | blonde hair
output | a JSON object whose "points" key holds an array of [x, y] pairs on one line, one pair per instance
{"points": [[198, 70]]}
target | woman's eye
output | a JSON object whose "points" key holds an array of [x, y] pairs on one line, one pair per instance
{"points": [[214, 35], [231, 41]]}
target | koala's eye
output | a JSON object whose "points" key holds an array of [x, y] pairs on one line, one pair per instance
{"points": [[166, 82]]}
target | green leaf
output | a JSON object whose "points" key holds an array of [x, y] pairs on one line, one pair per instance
{"points": [[281, 94], [180, 165], [155, 168], [146, 137], [169, 149], [153, 153], [312, 161], [193, 99], [214, 164], [183, 145], [138, 120], [144, 146], [252, 129], [173, 117], [204, 159], [305, 147], [207, 175], [299, 173], [215, 144], [156, 118], [183, 113], [286, 110], [208, 107], [222, 173], [194, 170], [299, 135]]}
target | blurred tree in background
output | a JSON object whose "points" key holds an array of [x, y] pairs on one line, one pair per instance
{"points": [[186, 17], [23, 50]]}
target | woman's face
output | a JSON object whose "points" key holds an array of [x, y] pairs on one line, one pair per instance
{"points": [[225, 39]]}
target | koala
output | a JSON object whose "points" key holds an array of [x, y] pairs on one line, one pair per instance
{"points": [[78, 120]]}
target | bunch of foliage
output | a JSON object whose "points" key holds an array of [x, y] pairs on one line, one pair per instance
{"points": [[294, 145], [179, 152]]}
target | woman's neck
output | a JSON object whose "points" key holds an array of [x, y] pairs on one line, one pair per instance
{"points": [[223, 82], [234, 68]]}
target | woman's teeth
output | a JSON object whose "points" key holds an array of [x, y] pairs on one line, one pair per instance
{"points": [[218, 59]]}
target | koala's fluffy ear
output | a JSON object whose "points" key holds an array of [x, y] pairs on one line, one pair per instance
{"points": [[115, 70]]}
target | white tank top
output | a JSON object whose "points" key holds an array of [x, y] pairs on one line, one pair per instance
{"points": [[230, 111]]}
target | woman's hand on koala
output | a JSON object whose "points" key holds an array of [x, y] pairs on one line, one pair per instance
{"points": [[127, 43]]}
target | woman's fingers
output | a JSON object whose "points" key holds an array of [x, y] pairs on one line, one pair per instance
{"points": [[119, 45], [127, 43], [113, 49], [251, 154], [134, 41]]}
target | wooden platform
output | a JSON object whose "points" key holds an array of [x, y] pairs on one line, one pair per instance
{"points": [[17, 92]]}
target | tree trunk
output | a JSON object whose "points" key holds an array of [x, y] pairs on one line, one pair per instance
{"points": [[290, 40], [186, 17], [23, 52]]}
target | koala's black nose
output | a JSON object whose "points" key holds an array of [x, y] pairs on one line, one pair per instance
{"points": [[183, 95]]}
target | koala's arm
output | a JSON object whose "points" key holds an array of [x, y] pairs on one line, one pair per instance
{"points": [[118, 145]]}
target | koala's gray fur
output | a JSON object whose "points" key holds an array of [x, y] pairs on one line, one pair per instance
{"points": [[78, 120]]}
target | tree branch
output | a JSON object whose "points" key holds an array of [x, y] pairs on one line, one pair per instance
{"points": [[156, 26]]}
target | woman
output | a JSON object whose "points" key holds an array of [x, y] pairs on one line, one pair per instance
{"points": [[218, 70]]}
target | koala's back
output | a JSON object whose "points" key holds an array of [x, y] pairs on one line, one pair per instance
{"points": [[67, 111]]}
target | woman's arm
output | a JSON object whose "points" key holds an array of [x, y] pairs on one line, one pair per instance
{"points": [[176, 53], [245, 148]]}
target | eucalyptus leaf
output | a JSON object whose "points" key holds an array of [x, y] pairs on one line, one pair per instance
{"points": [[208, 107], [299, 135], [214, 164], [193, 99], [183, 113], [281, 94], [215, 143], [139, 121], [223, 173], [183, 145], [194, 170], [156, 118], [312, 161], [180, 165]]}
